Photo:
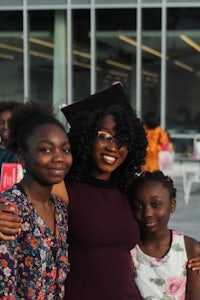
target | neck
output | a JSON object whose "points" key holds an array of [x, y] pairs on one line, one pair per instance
{"points": [[156, 246], [35, 191]]}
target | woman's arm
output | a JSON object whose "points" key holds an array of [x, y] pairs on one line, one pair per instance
{"points": [[193, 279], [9, 224], [194, 264]]}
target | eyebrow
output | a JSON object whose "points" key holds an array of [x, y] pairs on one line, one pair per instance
{"points": [[106, 130]]}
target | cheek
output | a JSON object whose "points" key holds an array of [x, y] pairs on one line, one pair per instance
{"points": [[34, 160], [69, 160], [137, 215], [95, 150]]}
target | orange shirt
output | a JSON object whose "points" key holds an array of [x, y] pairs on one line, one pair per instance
{"points": [[156, 138]]}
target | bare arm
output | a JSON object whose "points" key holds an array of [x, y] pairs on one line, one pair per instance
{"points": [[9, 224], [194, 264], [193, 279]]}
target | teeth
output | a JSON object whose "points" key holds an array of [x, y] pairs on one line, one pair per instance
{"points": [[110, 158]]}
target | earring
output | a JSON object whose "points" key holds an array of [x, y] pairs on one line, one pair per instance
{"points": [[172, 214], [24, 167]]}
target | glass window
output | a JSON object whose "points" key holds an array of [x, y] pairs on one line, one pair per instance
{"points": [[11, 56], [11, 2], [116, 56], [46, 2], [116, 1], [81, 53], [41, 45], [152, 1], [151, 60], [183, 70], [80, 1], [181, 1]]}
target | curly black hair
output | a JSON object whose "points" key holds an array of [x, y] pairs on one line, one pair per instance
{"points": [[23, 122], [155, 176], [9, 106], [83, 133]]}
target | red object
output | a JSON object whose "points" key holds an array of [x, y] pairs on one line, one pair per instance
{"points": [[10, 173]]}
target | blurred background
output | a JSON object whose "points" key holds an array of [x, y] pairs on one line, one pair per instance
{"points": [[60, 51]]}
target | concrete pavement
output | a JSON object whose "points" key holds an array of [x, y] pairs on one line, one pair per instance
{"points": [[187, 216]]}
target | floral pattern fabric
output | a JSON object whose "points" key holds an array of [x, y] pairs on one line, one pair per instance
{"points": [[34, 265], [164, 278]]}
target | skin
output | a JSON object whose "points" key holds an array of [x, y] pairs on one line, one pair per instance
{"points": [[107, 159], [152, 209], [4, 118], [47, 161]]}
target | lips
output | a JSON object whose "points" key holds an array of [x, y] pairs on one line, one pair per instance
{"points": [[149, 223], [57, 172]]}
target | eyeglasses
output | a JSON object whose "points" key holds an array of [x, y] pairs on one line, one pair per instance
{"points": [[105, 139]]}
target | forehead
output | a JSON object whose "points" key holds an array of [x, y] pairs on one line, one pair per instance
{"points": [[5, 114], [152, 187], [108, 122], [45, 131]]}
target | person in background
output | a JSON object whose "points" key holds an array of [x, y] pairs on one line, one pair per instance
{"points": [[34, 264], [166, 155], [6, 109], [160, 258], [157, 138]]}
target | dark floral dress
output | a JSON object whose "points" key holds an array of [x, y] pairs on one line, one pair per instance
{"points": [[34, 265]]}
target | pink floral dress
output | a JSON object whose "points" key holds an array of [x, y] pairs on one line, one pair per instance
{"points": [[34, 265], [164, 278]]}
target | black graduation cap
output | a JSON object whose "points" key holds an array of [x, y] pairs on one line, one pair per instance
{"points": [[113, 95]]}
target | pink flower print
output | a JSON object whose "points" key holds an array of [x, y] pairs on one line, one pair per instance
{"points": [[158, 261], [175, 286], [134, 257]]}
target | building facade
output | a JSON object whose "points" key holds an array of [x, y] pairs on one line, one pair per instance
{"points": [[58, 51]]}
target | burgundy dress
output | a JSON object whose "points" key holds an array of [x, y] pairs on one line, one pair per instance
{"points": [[102, 230]]}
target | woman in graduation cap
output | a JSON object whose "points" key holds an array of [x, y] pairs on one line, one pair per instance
{"points": [[108, 147]]}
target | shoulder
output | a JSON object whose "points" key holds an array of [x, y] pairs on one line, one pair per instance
{"points": [[11, 194], [59, 202], [193, 278], [14, 197], [192, 247], [60, 190]]}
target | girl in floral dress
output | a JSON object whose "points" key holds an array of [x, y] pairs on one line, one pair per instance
{"points": [[34, 264], [160, 258]]}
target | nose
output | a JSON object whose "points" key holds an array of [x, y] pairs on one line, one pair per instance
{"points": [[5, 125], [58, 155], [147, 211], [112, 146]]}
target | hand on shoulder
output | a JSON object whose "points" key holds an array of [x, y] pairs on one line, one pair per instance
{"points": [[193, 252]]}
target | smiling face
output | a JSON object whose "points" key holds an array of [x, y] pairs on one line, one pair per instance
{"points": [[152, 207], [108, 158], [48, 157]]}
